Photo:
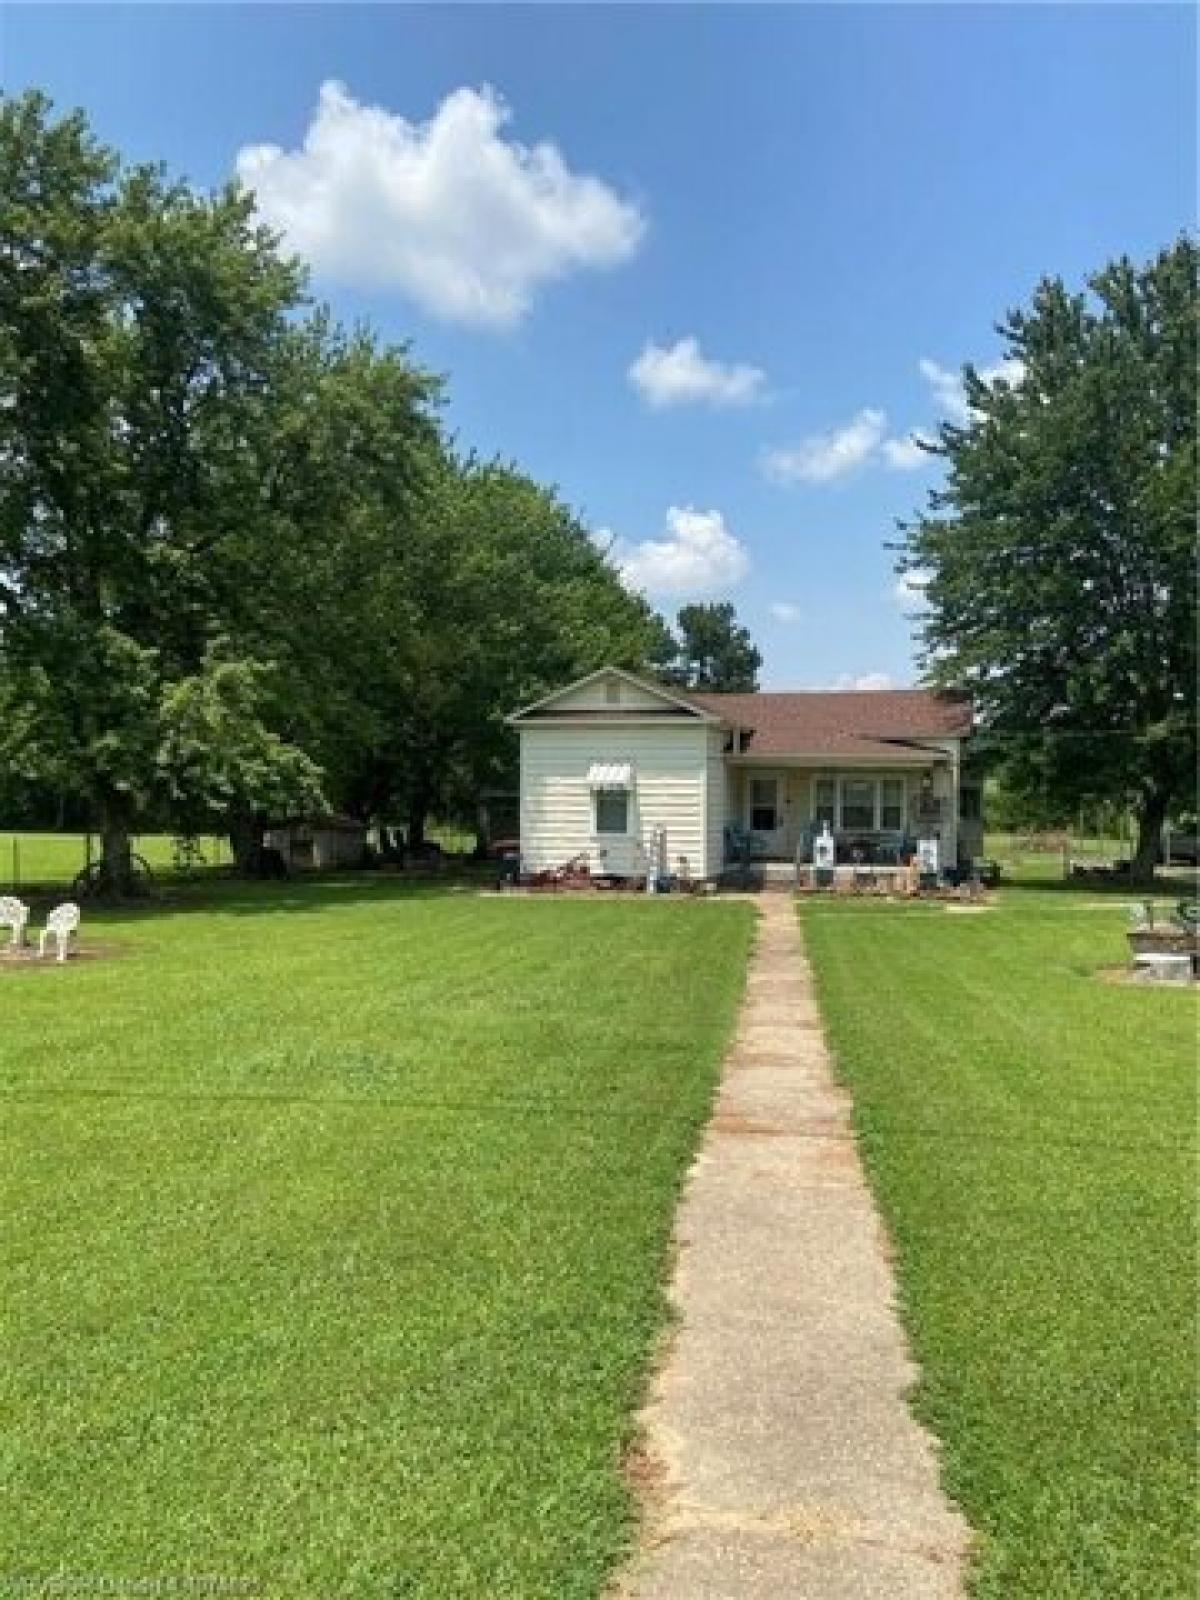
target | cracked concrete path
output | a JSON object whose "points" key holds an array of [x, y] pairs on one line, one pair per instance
{"points": [[784, 1458]]}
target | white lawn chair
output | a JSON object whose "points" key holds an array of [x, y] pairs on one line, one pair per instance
{"points": [[62, 922], [14, 914]]}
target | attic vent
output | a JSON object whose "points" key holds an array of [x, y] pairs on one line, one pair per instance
{"points": [[612, 693]]}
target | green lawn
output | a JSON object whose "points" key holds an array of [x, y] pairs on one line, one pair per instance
{"points": [[338, 1216], [1030, 1133]]}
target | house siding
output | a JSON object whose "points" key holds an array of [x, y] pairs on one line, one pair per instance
{"points": [[716, 802], [671, 791], [594, 696]]}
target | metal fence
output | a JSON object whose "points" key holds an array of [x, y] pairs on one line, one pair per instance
{"points": [[1070, 852]]}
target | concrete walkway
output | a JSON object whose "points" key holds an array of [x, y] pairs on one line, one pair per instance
{"points": [[781, 1460]]}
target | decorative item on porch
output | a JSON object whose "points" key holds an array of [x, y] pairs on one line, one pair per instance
{"points": [[928, 852], [824, 857], [655, 851]]}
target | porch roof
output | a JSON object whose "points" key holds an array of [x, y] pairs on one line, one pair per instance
{"points": [[825, 750]]}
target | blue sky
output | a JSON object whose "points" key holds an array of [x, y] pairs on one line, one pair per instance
{"points": [[794, 208]]}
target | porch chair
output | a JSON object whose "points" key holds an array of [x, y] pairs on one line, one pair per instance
{"points": [[737, 850], [14, 914], [62, 922]]}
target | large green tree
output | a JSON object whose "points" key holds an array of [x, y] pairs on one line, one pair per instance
{"points": [[511, 597], [344, 596], [240, 568], [1058, 559], [139, 328], [709, 649]]}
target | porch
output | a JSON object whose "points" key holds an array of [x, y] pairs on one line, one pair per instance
{"points": [[875, 814]]}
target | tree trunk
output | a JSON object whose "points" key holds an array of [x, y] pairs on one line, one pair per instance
{"points": [[1151, 814], [418, 816], [483, 830], [116, 851], [245, 842]]}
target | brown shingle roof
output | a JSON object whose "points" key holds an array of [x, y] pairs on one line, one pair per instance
{"points": [[862, 723]]}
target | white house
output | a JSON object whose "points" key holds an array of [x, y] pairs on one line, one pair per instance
{"points": [[615, 766]]}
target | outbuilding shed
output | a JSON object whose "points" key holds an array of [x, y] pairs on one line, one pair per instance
{"points": [[317, 844]]}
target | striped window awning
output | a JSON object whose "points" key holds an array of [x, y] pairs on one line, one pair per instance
{"points": [[610, 775]]}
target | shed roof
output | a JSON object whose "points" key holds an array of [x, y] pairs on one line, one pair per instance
{"points": [[335, 822]]}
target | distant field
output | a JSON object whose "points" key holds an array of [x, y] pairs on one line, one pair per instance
{"points": [[1041, 855], [51, 860], [1033, 860]]}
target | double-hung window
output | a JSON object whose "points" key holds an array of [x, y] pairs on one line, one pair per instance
{"points": [[861, 805], [612, 810], [891, 804], [858, 802]]}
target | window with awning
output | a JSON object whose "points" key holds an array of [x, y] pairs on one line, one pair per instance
{"points": [[610, 775], [611, 783]]}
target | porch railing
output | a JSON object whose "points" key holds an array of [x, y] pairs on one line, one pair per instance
{"points": [[868, 847]]}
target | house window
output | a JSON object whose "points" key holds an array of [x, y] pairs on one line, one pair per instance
{"points": [[928, 806], [891, 804], [825, 802], [612, 693], [612, 810], [858, 803], [764, 807]]}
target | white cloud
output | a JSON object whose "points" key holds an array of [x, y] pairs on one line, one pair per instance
{"points": [[680, 375], [909, 588], [950, 396], [785, 611], [697, 555], [905, 454], [822, 457], [468, 223], [864, 680]]}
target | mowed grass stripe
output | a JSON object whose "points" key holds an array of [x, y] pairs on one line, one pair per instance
{"points": [[344, 1345], [1030, 1132]]}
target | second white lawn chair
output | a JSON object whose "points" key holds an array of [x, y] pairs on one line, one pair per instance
{"points": [[62, 922]]}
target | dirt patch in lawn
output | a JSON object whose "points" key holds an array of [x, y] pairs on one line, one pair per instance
{"points": [[27, 960]]}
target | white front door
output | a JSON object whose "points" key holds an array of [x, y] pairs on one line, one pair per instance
{"points": [[765, 817]]}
